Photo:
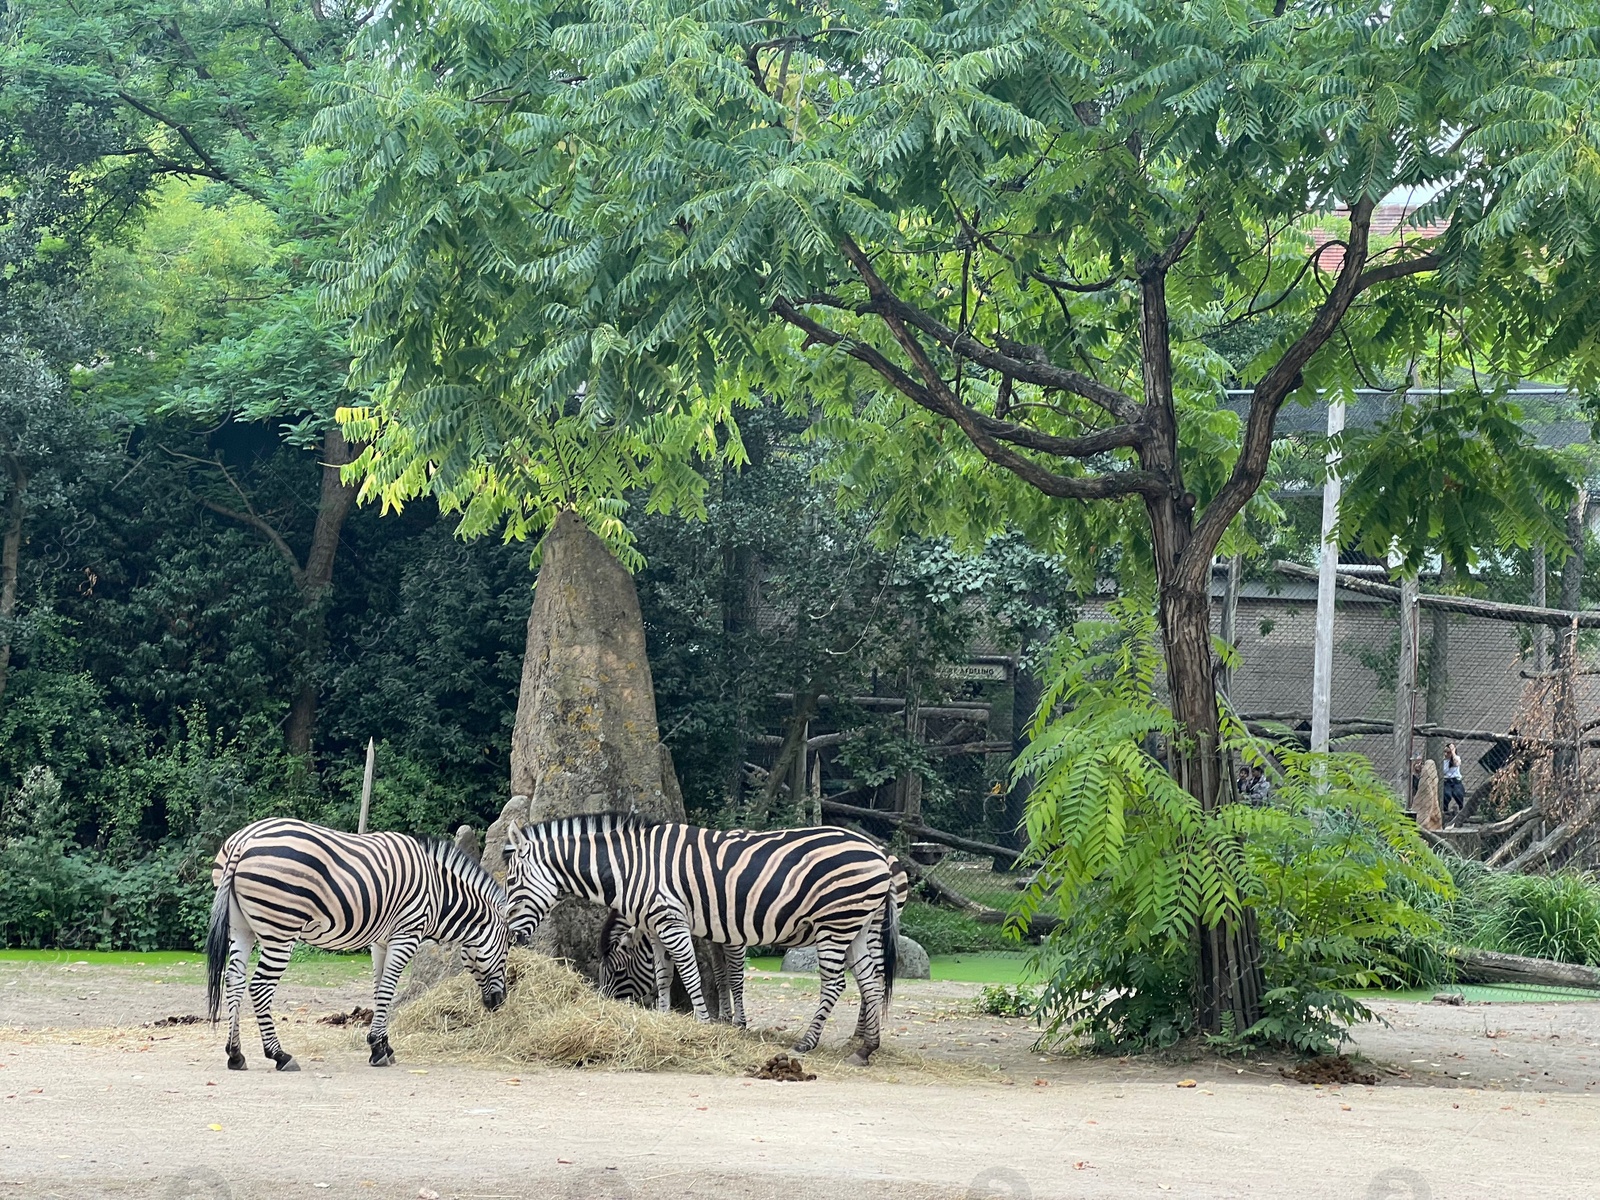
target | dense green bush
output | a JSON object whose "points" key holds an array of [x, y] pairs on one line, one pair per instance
{"points": [[943, 931], [1330, 871]]}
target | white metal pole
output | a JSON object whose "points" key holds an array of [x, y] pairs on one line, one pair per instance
{"points": [[1322, 665]]}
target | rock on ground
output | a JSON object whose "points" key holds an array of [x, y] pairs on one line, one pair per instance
{"points": [[911, 962]]}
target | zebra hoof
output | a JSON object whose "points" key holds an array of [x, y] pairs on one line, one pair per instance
{"points": [[236, 1061], [805, 1047], [859, 1059], [287, 1063]]}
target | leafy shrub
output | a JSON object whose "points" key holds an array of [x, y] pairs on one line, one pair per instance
{"points": [[1539, 916], [943, 931], [1330, 870], [1005, 1000]]}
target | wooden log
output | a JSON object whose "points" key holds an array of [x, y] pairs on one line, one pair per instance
{"points": [[1509, 848], [1540, 852], [1520, 614], [917, 828], [1039, 924], [1509, 825], [1486, 966]]}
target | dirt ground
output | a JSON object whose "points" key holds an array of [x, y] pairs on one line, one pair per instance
{"points": [[1473, 1101]]}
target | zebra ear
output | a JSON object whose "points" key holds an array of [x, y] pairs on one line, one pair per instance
{"points": [[515, 840]]}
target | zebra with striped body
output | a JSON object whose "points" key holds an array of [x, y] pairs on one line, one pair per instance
{"points": [[628, 961], [628, 969], [786, 887], [280, 882]]}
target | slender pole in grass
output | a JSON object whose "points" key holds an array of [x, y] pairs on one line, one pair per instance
{"points": [[366, 784]]}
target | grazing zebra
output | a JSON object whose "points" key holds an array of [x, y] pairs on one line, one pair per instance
{"points": [[280, 882], [786, 887], [628, 967]]}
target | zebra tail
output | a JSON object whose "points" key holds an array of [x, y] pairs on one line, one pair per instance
{"points": [[891, 947], [219, 943]]}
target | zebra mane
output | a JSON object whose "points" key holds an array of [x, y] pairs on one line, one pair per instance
{"points": [[461, 864], [585, 823]]}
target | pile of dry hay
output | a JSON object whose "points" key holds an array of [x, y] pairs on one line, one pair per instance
{"points": [[554, 1017]]}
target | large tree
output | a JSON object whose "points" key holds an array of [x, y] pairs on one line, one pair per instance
{"points": [[996, 243], [110, 107]]}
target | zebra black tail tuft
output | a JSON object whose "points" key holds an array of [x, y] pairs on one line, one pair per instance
{"points": [[219, 944], [891, 947]]}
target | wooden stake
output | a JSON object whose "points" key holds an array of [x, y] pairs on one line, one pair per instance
{"points": [[366, 784], [1405, 688]]}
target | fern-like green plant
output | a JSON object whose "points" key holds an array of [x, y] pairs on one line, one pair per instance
{"points": [[1134, 865]]}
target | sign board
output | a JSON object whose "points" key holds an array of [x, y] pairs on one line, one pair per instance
{"points": [[975, 671]]}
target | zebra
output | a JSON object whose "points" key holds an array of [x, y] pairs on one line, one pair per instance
{"points": [[786, 887], [280, 882], [628, 970]]}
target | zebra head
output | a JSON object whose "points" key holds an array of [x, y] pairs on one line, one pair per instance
{"points": [[485, 956], [532, 887], [627, 962]]}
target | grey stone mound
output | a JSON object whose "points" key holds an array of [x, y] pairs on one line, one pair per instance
{"points": [[911, 960]]}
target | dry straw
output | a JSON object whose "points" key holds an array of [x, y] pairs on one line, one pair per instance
{"points": [[553, 1017]]}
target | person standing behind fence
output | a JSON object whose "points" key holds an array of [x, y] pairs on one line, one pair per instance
{"points": [[1455, 792]]}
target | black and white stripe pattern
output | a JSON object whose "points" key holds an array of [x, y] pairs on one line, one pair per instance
{"points": [[788, 887], [280, 882], [628, 969], [628, 966]]}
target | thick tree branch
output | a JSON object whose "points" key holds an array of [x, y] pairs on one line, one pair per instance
{"points": [[1086, 487], [1398, 270], [1274, 388], [260, 526], [183, 131], [1025, 364]]}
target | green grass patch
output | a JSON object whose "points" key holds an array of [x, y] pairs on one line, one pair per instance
{"points": [[981, 968], [308, 965], [1480, 993]]}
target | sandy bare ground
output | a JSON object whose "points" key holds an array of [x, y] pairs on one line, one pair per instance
{"points": [[134, 1113]]}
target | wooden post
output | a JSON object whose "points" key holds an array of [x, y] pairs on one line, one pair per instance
{"points": [[1405, 688], [1539, 600], [1322, 660], [798, 773], [1230, 621], [366, 784], [816, 789]]}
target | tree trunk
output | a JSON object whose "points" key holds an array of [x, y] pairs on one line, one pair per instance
{"points": [[10, 556], [316, 579], [586, 739], [1228, 983]]}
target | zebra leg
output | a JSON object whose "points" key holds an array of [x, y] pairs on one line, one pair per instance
{"points": [[661, 965], [866, 962], [722, 1010], [873, 950], [830, 966], [395, 958], [733, 967], [233, 984], [263, 986], [674, 935]]}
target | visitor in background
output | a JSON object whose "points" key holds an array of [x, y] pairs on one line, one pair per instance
{"points": [[1241, 785], [1455, 792], [1260, 791]]}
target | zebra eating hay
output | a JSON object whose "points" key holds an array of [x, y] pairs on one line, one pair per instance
{"points": [[280, 882], [786, 887], [628, 969], [628, 966]]}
